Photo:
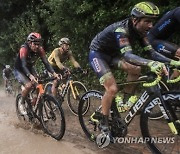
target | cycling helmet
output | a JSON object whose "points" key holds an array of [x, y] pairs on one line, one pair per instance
{"points": [[7, 66], [34, 37], [64, 40], [145, 9]]}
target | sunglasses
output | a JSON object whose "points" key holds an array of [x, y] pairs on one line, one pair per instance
{"points": [[37, 43]]}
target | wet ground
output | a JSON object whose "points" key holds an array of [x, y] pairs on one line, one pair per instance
{"points": [[18, 138]]}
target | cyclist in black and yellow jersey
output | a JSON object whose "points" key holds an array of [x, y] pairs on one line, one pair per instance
{"points": [[60, 55], [115, 46]]}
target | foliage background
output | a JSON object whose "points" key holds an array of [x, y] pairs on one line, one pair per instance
{"points": [[80, 20]]}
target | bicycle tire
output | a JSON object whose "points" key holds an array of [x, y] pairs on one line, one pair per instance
{"points": [[23, 118], [90, 127], [52, 117], [79, 89], [157, 133]]}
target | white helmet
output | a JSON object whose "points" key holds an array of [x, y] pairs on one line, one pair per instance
{"points": [[64, 40], [7, 66]]}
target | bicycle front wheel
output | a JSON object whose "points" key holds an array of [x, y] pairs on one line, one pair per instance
{"points": [[89, 121], [52, 117], [157, 133], [73, 97]]}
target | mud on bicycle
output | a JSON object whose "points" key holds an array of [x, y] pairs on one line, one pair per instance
{"points": [[43, 109], [168, 126]]}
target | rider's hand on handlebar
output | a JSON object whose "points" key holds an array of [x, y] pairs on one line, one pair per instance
{"points": [[158, 67], [175, 63], [33, 79], [57, 76]]}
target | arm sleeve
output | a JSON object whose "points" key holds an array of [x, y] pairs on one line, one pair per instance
{"points": [[153, 53], [126, 49], [73, 61], [57, 60], [4, 75], [23, 57], [134, 59]]}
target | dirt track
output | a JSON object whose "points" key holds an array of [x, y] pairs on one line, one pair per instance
{"points": [[16, 138]]}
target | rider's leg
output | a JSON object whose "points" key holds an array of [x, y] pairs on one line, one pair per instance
{"points": [[5, 83], [108, 81], [54, 88], [25, 91], [100, 63], [133, 73], [25, 81], [110, 92]]}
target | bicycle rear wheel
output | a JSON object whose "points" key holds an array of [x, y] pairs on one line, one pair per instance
{"points": [[52, 117], [87, 121], [73, 99], [157, 133]]}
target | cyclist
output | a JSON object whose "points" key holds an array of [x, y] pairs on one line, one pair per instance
{"points": [[60, 55], [25, 72], [158, 36], [7, 74], [114, 45]]}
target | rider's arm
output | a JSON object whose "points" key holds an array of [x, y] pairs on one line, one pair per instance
{"points": [[73, 61], [57, 59], [126, 49], [45, 61], [154, 54], [4, 74], [23, 57]]}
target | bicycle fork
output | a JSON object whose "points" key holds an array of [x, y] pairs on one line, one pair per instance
{"points": [[73, 89], [170, 116]]}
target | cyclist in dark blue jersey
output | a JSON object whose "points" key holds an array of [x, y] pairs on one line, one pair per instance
{"points": [[24, 70], [115, 46], [162, 31]]}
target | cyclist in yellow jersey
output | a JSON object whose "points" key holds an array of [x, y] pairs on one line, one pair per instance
{"points": [[60, 55]]}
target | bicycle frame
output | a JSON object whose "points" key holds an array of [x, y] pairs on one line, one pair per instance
{"points": [[151, 96], [152, 100], [68, 85]]}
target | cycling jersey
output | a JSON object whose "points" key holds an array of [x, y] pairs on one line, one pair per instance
{"points": [[119, 40], [163, 29], [26, 59], [57, 58], [7, 73]]}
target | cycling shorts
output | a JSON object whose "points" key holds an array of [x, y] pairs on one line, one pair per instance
{"points": [[102, 63]]}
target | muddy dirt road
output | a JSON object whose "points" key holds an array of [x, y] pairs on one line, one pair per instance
{"points": [[19, 139]]}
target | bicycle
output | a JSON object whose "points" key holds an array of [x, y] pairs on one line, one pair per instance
{"points": [[150, 129], [165, 86], [72, 88], [42, 108]]}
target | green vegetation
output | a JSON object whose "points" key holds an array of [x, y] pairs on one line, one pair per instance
{"points": [[79, 20]]}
